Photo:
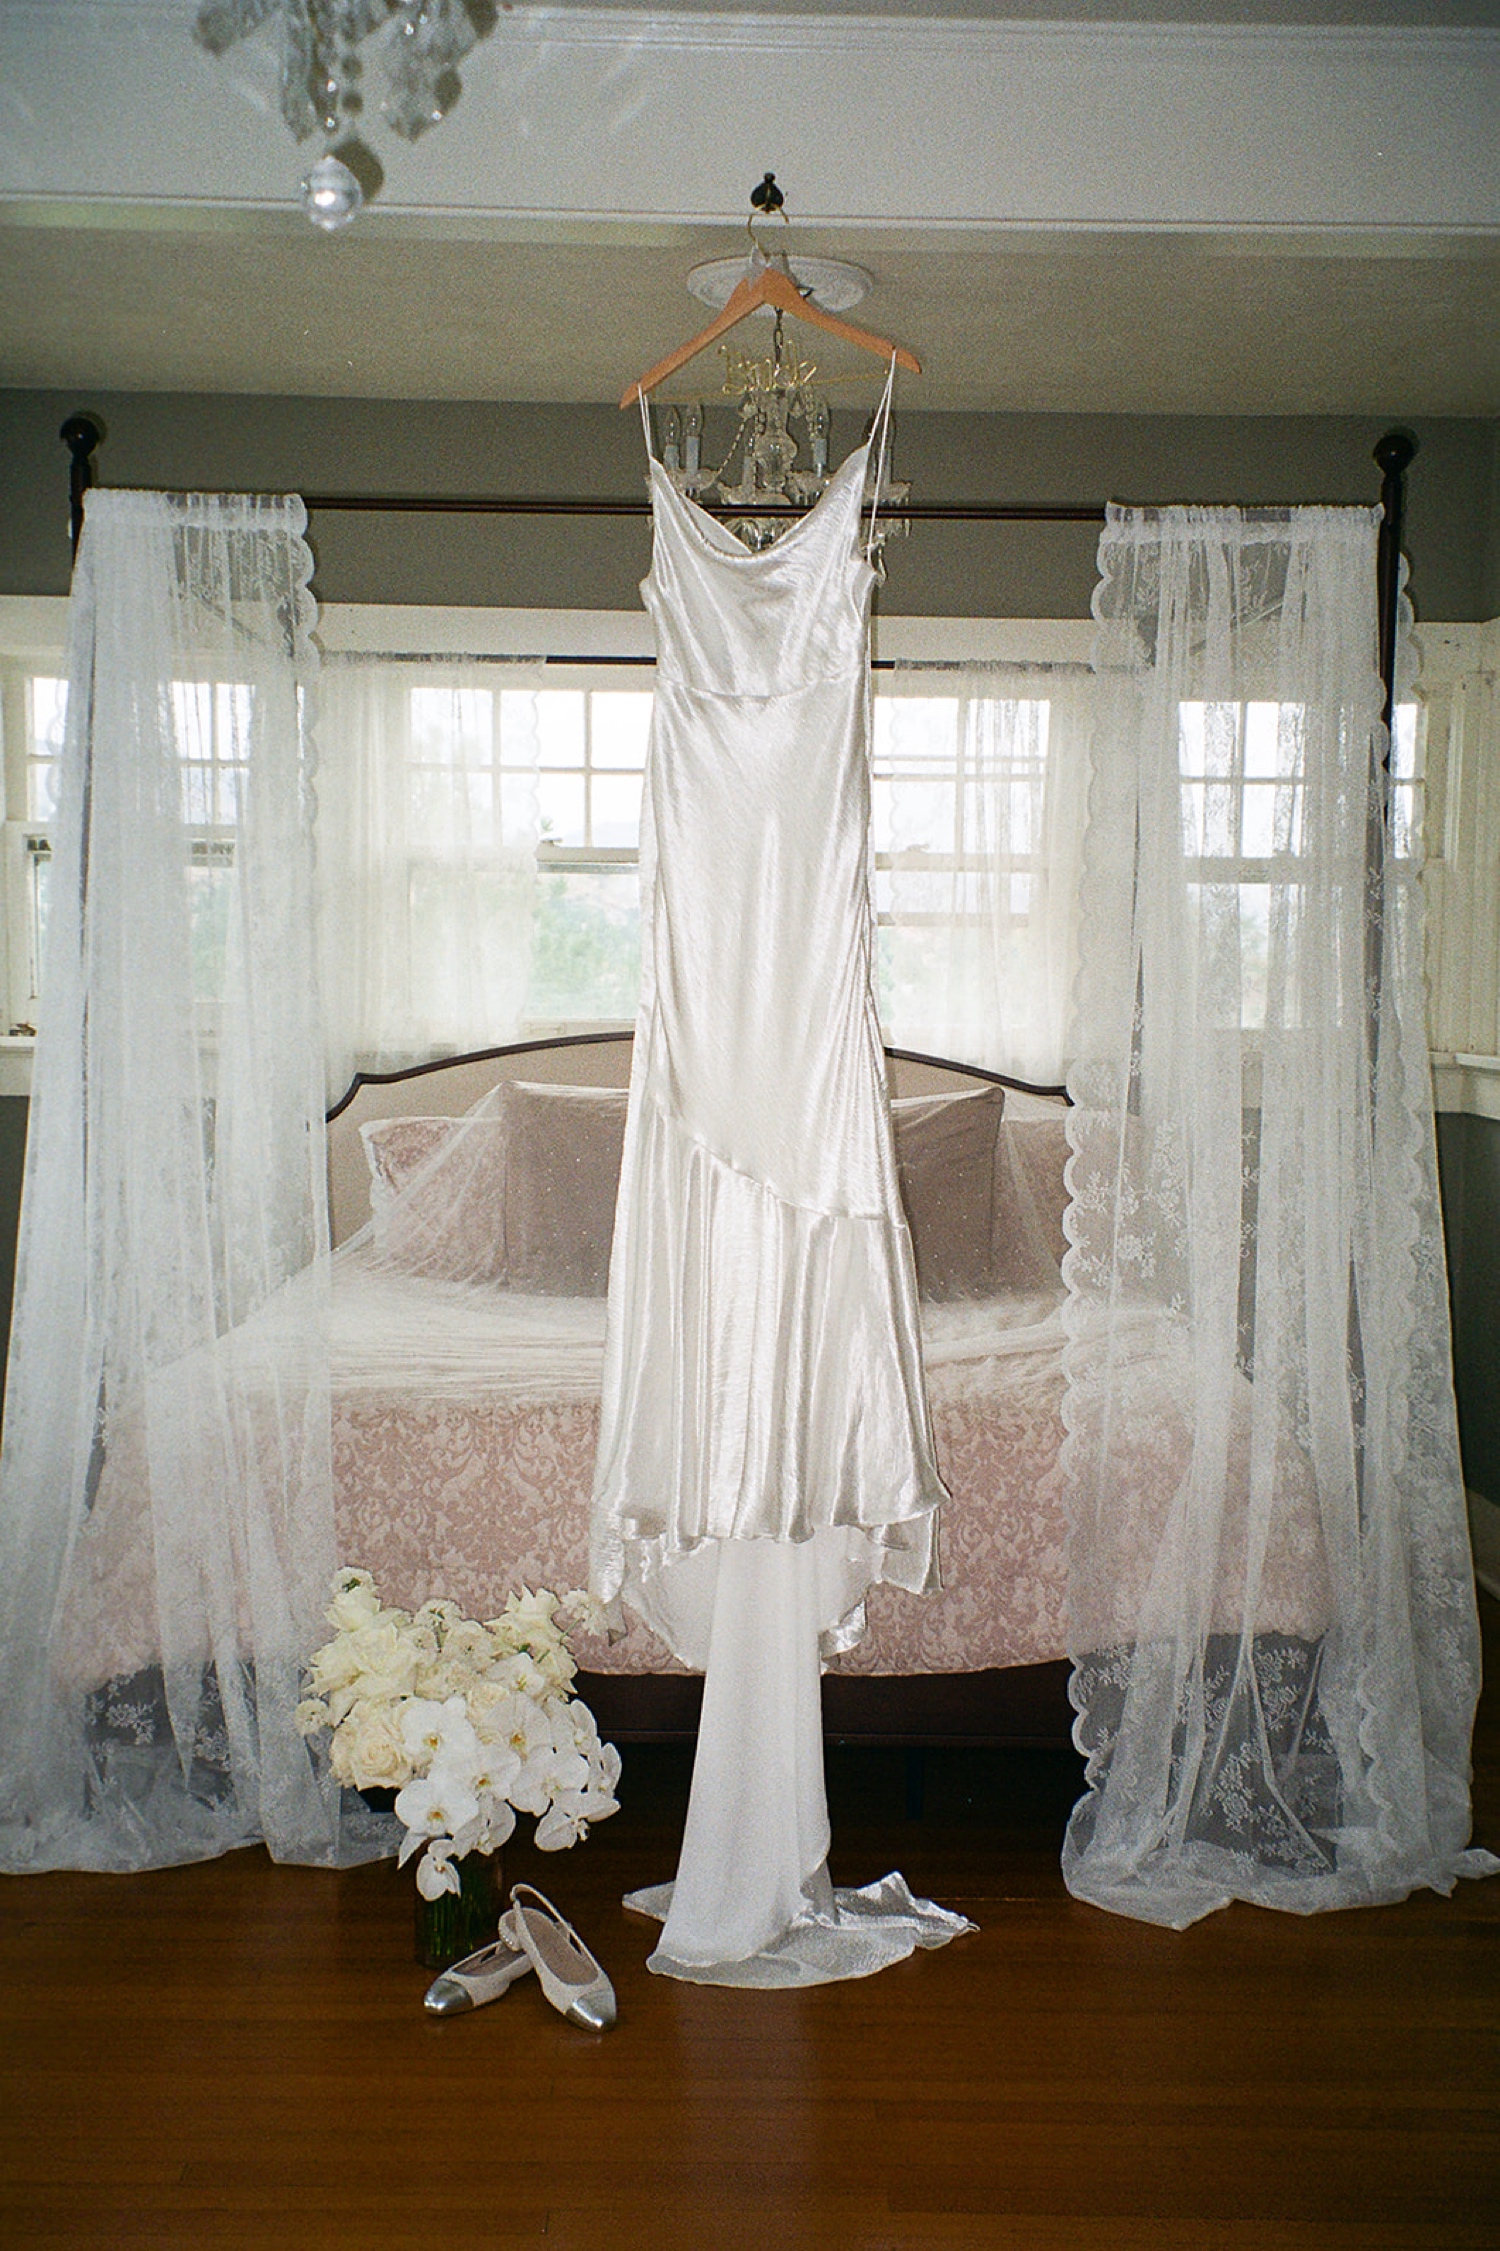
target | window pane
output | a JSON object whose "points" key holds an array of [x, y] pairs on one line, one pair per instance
{"points": [[915, 730], [921, 815], [561, 807], [452, 726], [1255, 947], [47, 724], [621, 724], [559, 727], [586, 948], [1263, 741], [209, 889], [1258, 831], [38, 888], [617, 809], [518, 727]]}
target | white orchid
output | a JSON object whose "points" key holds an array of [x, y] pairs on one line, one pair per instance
{"points": [[497, 1824], [468, 1722], [436, 1872], [567, 1819], [435, 1805], [438, 1733]]}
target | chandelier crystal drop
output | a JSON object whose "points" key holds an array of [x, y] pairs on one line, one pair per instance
{"points": [[331, 195], [421, 43]]}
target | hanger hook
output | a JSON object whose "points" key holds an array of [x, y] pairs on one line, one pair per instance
{"points": [[766, 202]]}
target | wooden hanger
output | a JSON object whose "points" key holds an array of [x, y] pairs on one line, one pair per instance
{"points": [[770, 286]]}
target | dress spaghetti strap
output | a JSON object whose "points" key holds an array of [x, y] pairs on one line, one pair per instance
{"points": [[882, 422]]}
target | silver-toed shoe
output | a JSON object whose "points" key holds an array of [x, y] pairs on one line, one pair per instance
{"points": [[477, 1978], [570, 1977]]}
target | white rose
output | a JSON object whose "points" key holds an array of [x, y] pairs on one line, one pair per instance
{"points": [[310, 1715], [355, 1602], [333, 1666], [438, 1678], [368, 1752], [385, 1660], [469, 1641]]}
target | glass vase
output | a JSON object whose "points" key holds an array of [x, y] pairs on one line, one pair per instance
{"points": [[459, 1922]]}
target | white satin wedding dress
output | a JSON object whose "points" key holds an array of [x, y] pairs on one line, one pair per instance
{"points": [[765, 1454]]}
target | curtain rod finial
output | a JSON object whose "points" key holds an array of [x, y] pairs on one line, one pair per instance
{"points": [[1396, 451], [82, 434]]}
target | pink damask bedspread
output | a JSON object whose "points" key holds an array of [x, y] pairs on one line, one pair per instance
{"points": [[463, 1435], [469, 1497]]}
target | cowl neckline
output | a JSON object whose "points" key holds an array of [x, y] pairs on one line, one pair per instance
{"points": [[722, 542]]}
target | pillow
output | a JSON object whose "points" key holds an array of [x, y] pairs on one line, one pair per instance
{"points": [[562, 1175], [945, 1158], [437, 1195], [1030, 1199]]}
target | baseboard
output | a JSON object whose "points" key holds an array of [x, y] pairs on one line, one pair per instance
{"points": [[1484, 1538]]}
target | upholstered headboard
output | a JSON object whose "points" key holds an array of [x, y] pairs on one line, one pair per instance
{"points": [[451, 1088]]}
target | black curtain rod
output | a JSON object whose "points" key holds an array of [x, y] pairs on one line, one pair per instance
{"points": [[82, 434], [909, 512]]}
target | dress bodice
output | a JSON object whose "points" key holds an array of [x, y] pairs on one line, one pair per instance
{"points": [[734, 622]]}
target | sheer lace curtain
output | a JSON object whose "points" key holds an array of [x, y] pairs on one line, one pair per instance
{"points": [[166, 1535], [1277, 1655], [426, 849]]}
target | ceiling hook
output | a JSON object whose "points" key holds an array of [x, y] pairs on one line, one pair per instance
{"points": [[766, 202]]}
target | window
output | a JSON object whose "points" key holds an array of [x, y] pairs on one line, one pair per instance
{"points": [[586, 942], [1245, 822], [538, 764], [211, 722]]}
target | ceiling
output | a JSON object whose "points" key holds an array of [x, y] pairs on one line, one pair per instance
{"points": [[1135, 325], [1154, 303]]}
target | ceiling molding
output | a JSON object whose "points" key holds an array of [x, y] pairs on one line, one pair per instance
{"points": [[626, 117]]}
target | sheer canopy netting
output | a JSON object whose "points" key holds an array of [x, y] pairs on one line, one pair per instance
{"points": [[166, 1450], [1255, 1212]]}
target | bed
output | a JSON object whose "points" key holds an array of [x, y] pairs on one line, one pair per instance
{"points": [[471, 1203], [468, 1487], [468, 1490]]}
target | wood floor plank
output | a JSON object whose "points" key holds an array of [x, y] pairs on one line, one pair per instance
{"points": [[234, 2055]]}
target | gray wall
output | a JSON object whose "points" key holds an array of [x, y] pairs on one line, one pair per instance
{"points": [[272, 444]]}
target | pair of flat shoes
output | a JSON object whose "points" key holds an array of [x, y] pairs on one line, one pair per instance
{"points": [[533, 1936]]}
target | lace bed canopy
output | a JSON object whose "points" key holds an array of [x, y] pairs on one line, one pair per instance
{"points": [[1253, 1221]]}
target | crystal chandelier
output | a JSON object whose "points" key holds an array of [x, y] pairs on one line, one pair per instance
{"points": [[322, 72], [779, 449]]}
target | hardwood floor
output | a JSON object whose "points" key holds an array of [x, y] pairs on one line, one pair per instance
{"points": [[235, 2054]]}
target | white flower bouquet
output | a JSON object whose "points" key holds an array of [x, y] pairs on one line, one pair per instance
{"points": [[470, 1724]]}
